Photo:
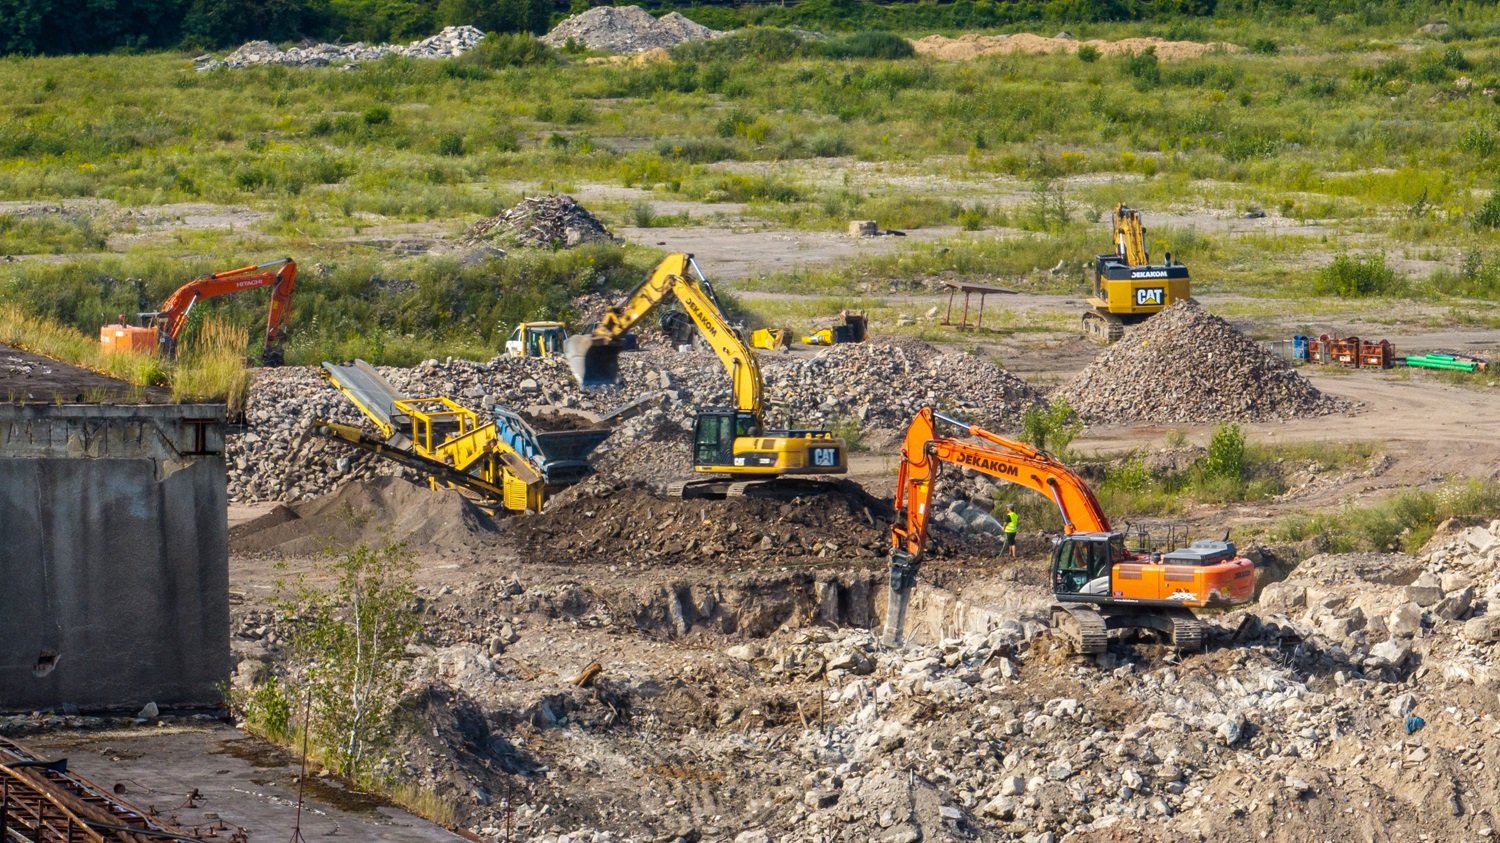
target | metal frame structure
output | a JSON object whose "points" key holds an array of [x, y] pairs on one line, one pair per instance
{"points": [[41, 802]]}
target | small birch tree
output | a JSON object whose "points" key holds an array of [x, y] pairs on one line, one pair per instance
{"points": [[351, 642]]}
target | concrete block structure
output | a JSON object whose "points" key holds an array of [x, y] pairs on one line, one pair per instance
{"points": [[114, 572]]}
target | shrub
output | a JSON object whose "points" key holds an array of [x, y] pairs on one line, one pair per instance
{"points": [[451, 143], [509, 50], [1263, 46], [1349, 278], [1226, 453], [1144, 67], [377, 115], [1488, 215], [1088, 54], [1051, 428], [868, 45]]}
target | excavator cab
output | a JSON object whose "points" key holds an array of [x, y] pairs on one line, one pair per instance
{"points": [[1082, 564], [714, 432]]}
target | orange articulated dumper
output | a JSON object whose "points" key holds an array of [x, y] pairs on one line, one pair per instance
{"points": [[1098, 582]]}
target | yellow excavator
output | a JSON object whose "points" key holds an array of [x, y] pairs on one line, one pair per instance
{"points": [[731, 442], [1128, 288]]}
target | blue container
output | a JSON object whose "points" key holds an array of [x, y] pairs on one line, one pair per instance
{"points": [[1299, 347]]}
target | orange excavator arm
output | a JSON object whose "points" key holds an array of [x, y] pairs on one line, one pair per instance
{"points": [[281, 275], [1002, 459]]}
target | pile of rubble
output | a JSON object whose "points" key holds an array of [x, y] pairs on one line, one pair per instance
{"points": [[627, 29], [453, 41], [883, 385], [542, 222], [1364, 680], [631, 528], [1185, 365], [877, 386]]}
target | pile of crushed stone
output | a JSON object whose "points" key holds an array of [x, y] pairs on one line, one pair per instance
{"points": [[375, 512], [1187, 365], [453, 41], [600, 522], [543, 222], [628, 29]]}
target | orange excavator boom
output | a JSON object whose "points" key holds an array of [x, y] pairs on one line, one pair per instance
{"points": [[1008, 460], [281, 275]]}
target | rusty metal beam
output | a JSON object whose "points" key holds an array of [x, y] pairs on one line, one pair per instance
{"points": [[49, 805]]}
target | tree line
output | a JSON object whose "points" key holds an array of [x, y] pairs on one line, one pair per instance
{"points": [[56, 27]]}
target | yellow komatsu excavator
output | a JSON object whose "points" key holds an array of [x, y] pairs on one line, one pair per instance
{"points": [[1128, 288], [731, 442]]}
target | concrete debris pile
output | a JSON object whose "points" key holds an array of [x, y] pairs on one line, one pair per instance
{"points": [[877, 385], [630, 528], [543, 222], [627, 29], [275, 460], [1185, 365], [1364, 679], [453, 41], [882, 386]]}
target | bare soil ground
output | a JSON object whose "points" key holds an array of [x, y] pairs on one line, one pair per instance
{"points": [[30, 378]]}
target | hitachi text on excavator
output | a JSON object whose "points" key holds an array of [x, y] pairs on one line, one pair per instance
{"points": [[1098, 582]]}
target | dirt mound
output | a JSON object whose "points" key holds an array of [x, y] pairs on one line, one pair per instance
{"points": [[1187, 365], [387, 509], [612, 524], [549, 421], [543, 222], [629, 29], [972, 46]]}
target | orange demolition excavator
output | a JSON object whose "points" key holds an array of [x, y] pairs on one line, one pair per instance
{"points": [[157, 332], [1098, 582]]}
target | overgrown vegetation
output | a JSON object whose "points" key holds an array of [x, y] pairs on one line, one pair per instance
{"points": [[1403, 522]]}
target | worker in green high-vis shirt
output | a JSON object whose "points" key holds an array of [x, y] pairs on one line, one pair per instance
{"points": [[1012, 526]]}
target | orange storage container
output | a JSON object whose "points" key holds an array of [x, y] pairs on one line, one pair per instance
{"points": [[116, 338]]}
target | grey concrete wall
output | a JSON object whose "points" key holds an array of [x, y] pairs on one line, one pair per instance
{"points": [[114, 574]]}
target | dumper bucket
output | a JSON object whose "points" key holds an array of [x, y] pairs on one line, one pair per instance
{"points": [[594, 362]]}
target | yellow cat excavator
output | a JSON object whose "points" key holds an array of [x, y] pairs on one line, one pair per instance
{"points": [[1128, 288], [730, 442]]}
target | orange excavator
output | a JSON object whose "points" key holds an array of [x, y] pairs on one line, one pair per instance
{"points": [[157, 332], [1098, 582]]}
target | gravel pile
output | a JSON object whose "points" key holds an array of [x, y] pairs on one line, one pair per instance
{"points": [[451, 42], [878, 386], [629, 29], [543, 222], [1186, 365]]}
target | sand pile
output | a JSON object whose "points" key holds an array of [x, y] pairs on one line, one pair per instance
{"points": [[387, 509], [1187, 365], [972, 46]]}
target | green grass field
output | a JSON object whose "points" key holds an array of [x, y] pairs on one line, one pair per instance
{"points": [[1366, 139]]}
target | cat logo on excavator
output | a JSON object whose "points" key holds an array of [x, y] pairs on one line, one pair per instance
{"points": [[1146, 296]]}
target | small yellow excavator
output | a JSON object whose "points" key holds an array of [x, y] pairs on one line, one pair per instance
{"points": [[731, 442], [1128, 288]]}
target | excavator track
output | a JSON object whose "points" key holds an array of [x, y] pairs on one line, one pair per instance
{"points": [[1187, 631], [1085, 629], [1103, 328], [719, 488]]}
